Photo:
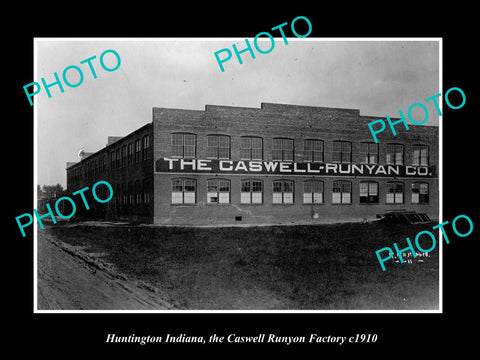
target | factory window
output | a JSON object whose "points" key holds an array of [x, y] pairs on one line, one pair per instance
{"points": [[218, 147], [342, 151], [342, 192], [420, 193], [313, 150], [124, 194], [130, 154], [146, 147], [368, 192], [184, 191], [119, 159], [394, 193], [251, 192], [282, 192], [218, 191], [282, 149], [146, 191], [420, 155], [251, 148], [118, 195], [138, 150], [130, 193], [313, 192], [124, 155], [104, 163], [138, 193], [369, 153], [184, 145], [394, 154]]}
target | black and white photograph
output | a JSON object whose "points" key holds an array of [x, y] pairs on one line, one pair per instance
{"points": [[230, 180], [270, 185]]}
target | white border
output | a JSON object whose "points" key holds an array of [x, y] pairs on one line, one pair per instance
{"points": [[440, 188]]}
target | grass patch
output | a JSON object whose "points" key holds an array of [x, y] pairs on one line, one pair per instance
{"points": [[279, 267]]}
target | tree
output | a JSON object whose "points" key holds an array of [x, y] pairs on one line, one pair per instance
{"points": [[40, 193], [50, 191]]}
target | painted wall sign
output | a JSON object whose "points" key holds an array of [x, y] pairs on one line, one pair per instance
{"points": [[165, 165]]}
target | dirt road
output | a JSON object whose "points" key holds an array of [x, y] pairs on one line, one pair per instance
{"points": [[70, 279]]}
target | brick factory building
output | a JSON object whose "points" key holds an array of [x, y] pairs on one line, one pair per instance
{"points": [[274, 164]]}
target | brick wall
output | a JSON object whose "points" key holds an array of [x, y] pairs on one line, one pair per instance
{"points": [[278, 120]]}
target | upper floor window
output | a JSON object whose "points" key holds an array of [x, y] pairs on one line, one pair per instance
{"points": [[251, 148], [394, 154], [146, 146], [313, 150], [369, 153], [184, 145], [342, 151], [420, 155], [218, 146], [138, 150], [124, 155], [112, 160], [130, 154], [282, 149], [119, 159]]}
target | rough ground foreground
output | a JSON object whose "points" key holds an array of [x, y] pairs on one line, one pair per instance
{"points": [[70, 279]]}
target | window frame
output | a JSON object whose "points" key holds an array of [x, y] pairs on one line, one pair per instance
{"points": [[422, 200], [183, 180], [420, 157], [138, 150], [369, 195], [387, 192], [217, 148], [183, 146], [341, 152], [218, 191], [145, 147], [251, 191], [394, 154], [283, 191], [312, 193], [251, 148], [368, 153], [311, 152], [341, 184], [283, 150]]}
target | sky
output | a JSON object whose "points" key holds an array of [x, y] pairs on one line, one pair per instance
{"points": [[377, 77]]}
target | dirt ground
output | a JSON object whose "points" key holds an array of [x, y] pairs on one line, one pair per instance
{"points": [[70, 279], [324, 267]]}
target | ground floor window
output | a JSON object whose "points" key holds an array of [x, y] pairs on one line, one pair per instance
{"points": [[394, 193], [138, 193], [368, 192], [146, 191], [313, 192], [283, 192], [420, 193], [184, 191], [251, 192], [218, 191], [342, 192]]}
